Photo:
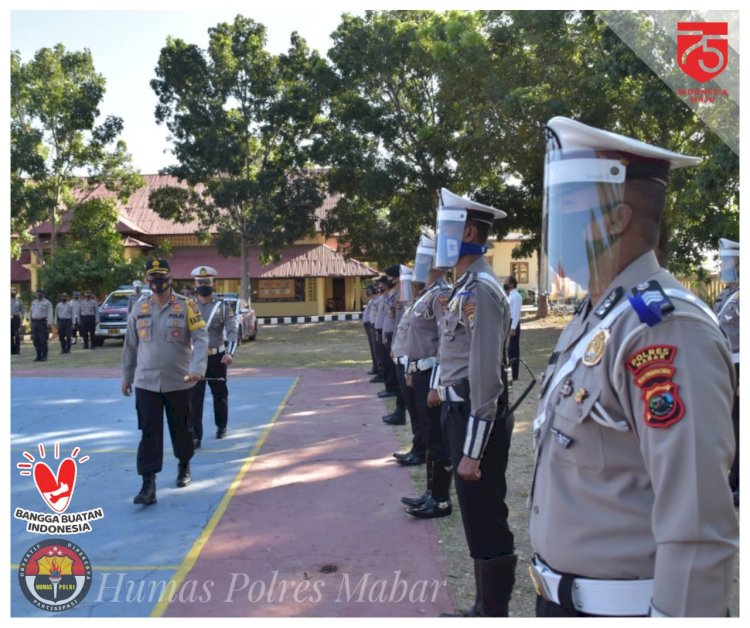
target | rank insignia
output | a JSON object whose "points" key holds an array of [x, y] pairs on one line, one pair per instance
{"points": [[581, 394], [468, 310], [595, 349], [567, 388], [608, 303], [653, 373]]}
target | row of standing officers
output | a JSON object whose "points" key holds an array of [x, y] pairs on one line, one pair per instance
{"points": [[630, 511]]}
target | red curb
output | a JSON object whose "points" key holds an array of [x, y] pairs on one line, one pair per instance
{"points": [[315, 528]]}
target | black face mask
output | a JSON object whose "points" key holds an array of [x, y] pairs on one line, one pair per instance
{"points": [[65, 300], [204, 291], [159, 285]]}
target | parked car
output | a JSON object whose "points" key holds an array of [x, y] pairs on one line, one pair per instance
{"points": [[247, 323], [113, 314]]}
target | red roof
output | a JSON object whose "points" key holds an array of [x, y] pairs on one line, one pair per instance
{"points": [[309, 260], [19, 274]]}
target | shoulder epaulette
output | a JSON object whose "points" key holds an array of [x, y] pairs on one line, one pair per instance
{"points": [[650, 302]]}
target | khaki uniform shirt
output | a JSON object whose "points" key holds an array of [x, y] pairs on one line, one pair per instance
{"points": [[17, 308], [64, 311], [398, 344], [473, 339], [89, 307], [223, 319], [374, 308], [381, 309], [727, 308], [41, 310], [422, 332], [163, 344], [633, 457]]}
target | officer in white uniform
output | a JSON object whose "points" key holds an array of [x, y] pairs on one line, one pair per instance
{"points": [[472, 386], [631, 513], [220, 319]]}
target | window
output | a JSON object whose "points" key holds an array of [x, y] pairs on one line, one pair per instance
{"points": [[520, 270]]}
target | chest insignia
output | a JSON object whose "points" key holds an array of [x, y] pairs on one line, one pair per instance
{"points": [[581, 395], [567, 388], [595, 349]]}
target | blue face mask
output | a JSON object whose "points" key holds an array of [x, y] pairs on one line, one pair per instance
{"points": [[469, 248]]}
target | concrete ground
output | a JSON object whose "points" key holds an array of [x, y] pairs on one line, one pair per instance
{"points": [[294, 514]]}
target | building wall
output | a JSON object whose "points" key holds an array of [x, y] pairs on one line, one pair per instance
{"points": [[503, 264]]}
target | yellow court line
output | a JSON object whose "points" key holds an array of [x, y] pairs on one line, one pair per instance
{"points": [[200, 542]]}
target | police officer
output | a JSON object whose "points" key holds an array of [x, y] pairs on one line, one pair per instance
{"points": [[471, 387], [375, 331], [76, 305], [727, 309], [164, 354], [422, 336], [17, 312], [378, 320], [64, 319], [137, 294], [220, 319], [510, 285], [89, 316], [405, 400], [370, 292], [388, 307], [40, 313], [631, 513]]}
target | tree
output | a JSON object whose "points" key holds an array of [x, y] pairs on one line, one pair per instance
{"points": [[91, 256], [55, 140], [241, 120]]}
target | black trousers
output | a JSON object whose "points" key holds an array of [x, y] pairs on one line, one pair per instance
{"points": [[734, 473], [429, 418], [64, 325], [151, 407], [219, 392], [88, 326], [389, 368], [40, 336], [15, 334], [514, 351], [370, 342], [483, 510]]}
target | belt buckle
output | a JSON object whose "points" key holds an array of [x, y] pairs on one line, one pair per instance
{"points": [[536, 578]]}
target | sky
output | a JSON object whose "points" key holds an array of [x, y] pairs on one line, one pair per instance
{"points": [[125, 48]]}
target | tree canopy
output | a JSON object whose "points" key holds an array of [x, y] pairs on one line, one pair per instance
{"points": [[241, 120]]}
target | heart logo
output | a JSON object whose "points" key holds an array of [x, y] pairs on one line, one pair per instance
{"points": [[56, 490]]}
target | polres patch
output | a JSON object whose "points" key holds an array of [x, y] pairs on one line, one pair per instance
{"points": [[468, 309], [653, 373]]}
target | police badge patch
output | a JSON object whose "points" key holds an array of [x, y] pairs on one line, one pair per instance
{"points": [[653, 372]]}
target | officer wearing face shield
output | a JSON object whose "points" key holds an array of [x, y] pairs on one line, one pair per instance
{"points": [[630, 511], [727, 309], [220, 319], [471, 384], [164, 354]]}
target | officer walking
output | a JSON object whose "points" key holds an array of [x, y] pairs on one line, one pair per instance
{"points": [[164, 354], [727, 309], [510, 285], [220, 319], [89, 316], [64, 319], [631, 513], [40, 312], [473, 391], [422, 337], [17, 312], [76, 305]]}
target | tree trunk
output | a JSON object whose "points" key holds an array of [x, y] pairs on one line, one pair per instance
{"points": [[541, 306], [244, 279]]}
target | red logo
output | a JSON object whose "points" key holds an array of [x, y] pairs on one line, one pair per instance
{"points": [[56, 489], [702, 49]]}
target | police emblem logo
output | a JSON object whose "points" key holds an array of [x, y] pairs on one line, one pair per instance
{"points": [[55, 575], [653, 373], [595, 349]]}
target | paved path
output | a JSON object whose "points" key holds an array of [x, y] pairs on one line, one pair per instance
{"points": [[296, 514]]}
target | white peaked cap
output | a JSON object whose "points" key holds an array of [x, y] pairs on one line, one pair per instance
{"points": [[574, 135], [204, 272], [449, 200], [426, 242], [726, 245]]}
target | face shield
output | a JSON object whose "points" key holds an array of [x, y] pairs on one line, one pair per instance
{"points": [[406, 276], [424, 259], [729, 258], [583, 195], [450, 233]]}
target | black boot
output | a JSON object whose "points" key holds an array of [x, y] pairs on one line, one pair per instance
{"points": [[147, 496], [418, 502], [439, 502], [496, 579], [183, 474]]}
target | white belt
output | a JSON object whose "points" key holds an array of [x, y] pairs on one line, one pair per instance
{"points": [[426, 363], [215, 350], [446, 393], [614, 598], [400, 359], [736, 358]]}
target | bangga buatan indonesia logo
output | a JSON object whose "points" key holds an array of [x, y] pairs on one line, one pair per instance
{"points": [[56, 489], [702, 49], [55, 575]]}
